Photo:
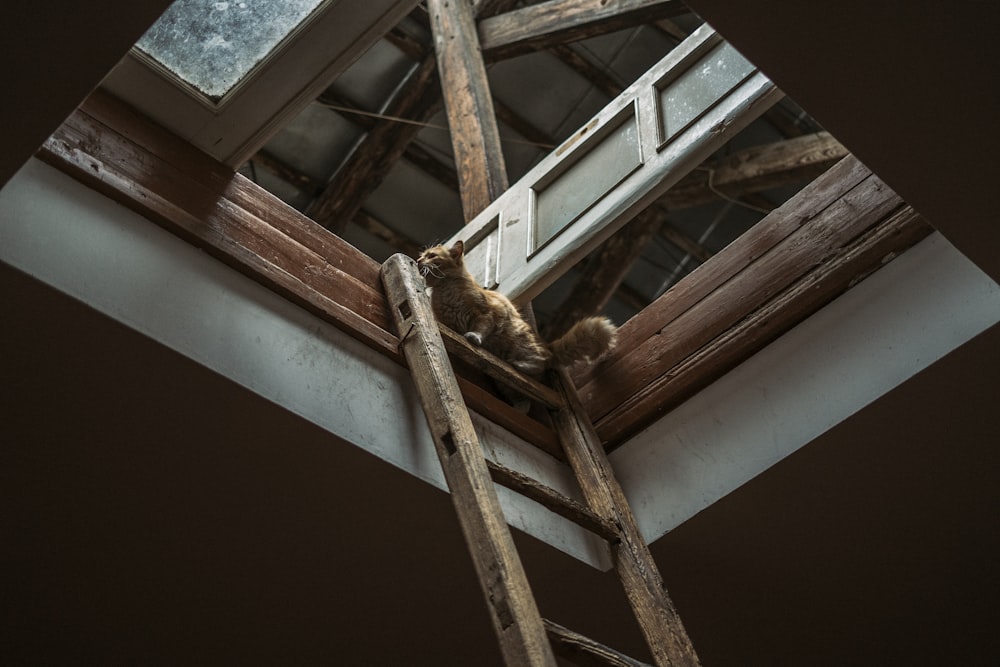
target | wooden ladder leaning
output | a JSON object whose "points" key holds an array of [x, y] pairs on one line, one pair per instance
{"points": [[524, 637]]}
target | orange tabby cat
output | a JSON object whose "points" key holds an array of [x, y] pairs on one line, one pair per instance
{"points": [[488, 319]]}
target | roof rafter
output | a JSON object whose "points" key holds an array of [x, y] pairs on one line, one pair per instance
{"points": [[380, 149], [561, 21]]}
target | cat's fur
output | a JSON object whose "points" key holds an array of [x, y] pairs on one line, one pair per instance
{"points": [[488, 319]]}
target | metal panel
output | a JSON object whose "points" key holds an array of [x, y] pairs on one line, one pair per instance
{"points": [[649, 137]]}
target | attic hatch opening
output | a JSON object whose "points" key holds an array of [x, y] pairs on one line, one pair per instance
{"points": [[330, 152], [212, 46]]}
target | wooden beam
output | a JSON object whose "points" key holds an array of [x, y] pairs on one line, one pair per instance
{"points": [[836, 231], [475, 138], [561, 21], [378, 152], [121, 154], [755, 169], [516, 620]]}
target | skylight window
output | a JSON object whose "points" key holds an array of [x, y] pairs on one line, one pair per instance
{"points": [[213, 45]]}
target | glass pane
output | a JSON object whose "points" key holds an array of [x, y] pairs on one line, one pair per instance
{"points": [[212, 45], [592, 176], [691, 94]]}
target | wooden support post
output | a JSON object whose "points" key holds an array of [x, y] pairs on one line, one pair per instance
{"points": [[475, 137], [659, 621], [515, 616]]}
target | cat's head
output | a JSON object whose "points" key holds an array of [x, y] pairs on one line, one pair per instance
{"points": [[439, 262]]}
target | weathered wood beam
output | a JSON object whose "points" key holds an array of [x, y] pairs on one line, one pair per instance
{"points": [[378, 152], [833, 233], [121, 154], [755, 169], [475, 137], [561, 21]]}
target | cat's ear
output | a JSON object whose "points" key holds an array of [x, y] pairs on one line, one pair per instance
{"points": [[457, 250]]}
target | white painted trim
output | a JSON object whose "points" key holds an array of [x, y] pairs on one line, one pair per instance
{"points": [[912, 312], [81, 243]]}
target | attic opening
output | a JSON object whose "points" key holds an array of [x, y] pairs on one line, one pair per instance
{"points": [[367, 155]]}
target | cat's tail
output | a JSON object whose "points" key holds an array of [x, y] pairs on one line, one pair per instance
{"points": [[587, 340]]}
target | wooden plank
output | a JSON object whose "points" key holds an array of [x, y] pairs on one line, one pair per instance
{"points": [[548, 497], [379, 151], [835, 275], [732, 259], [134, 130], [583, 651], [515, 616], [475, 137], [655, 612], [561, 21], [833, 229], [200, 212]]}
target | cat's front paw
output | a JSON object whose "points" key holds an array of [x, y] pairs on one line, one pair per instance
{"points": [[474, 338]]}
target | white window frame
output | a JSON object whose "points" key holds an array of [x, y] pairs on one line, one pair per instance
{"points": [[293, 74]]}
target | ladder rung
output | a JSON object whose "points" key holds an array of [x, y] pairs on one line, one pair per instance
{"points": [[500, 370], [584, 651], [557, 502]]}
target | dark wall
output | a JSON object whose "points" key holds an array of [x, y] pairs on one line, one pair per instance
{"points": [[53, 56]]}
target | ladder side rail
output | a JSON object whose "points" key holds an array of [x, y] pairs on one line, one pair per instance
{"points": [[658, 619], [512, 606]]}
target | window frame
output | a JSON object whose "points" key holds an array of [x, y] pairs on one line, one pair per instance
{"points": [[280, 86]]}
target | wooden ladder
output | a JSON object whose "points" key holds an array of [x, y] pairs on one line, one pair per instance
{"points": [[524, 637]]}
